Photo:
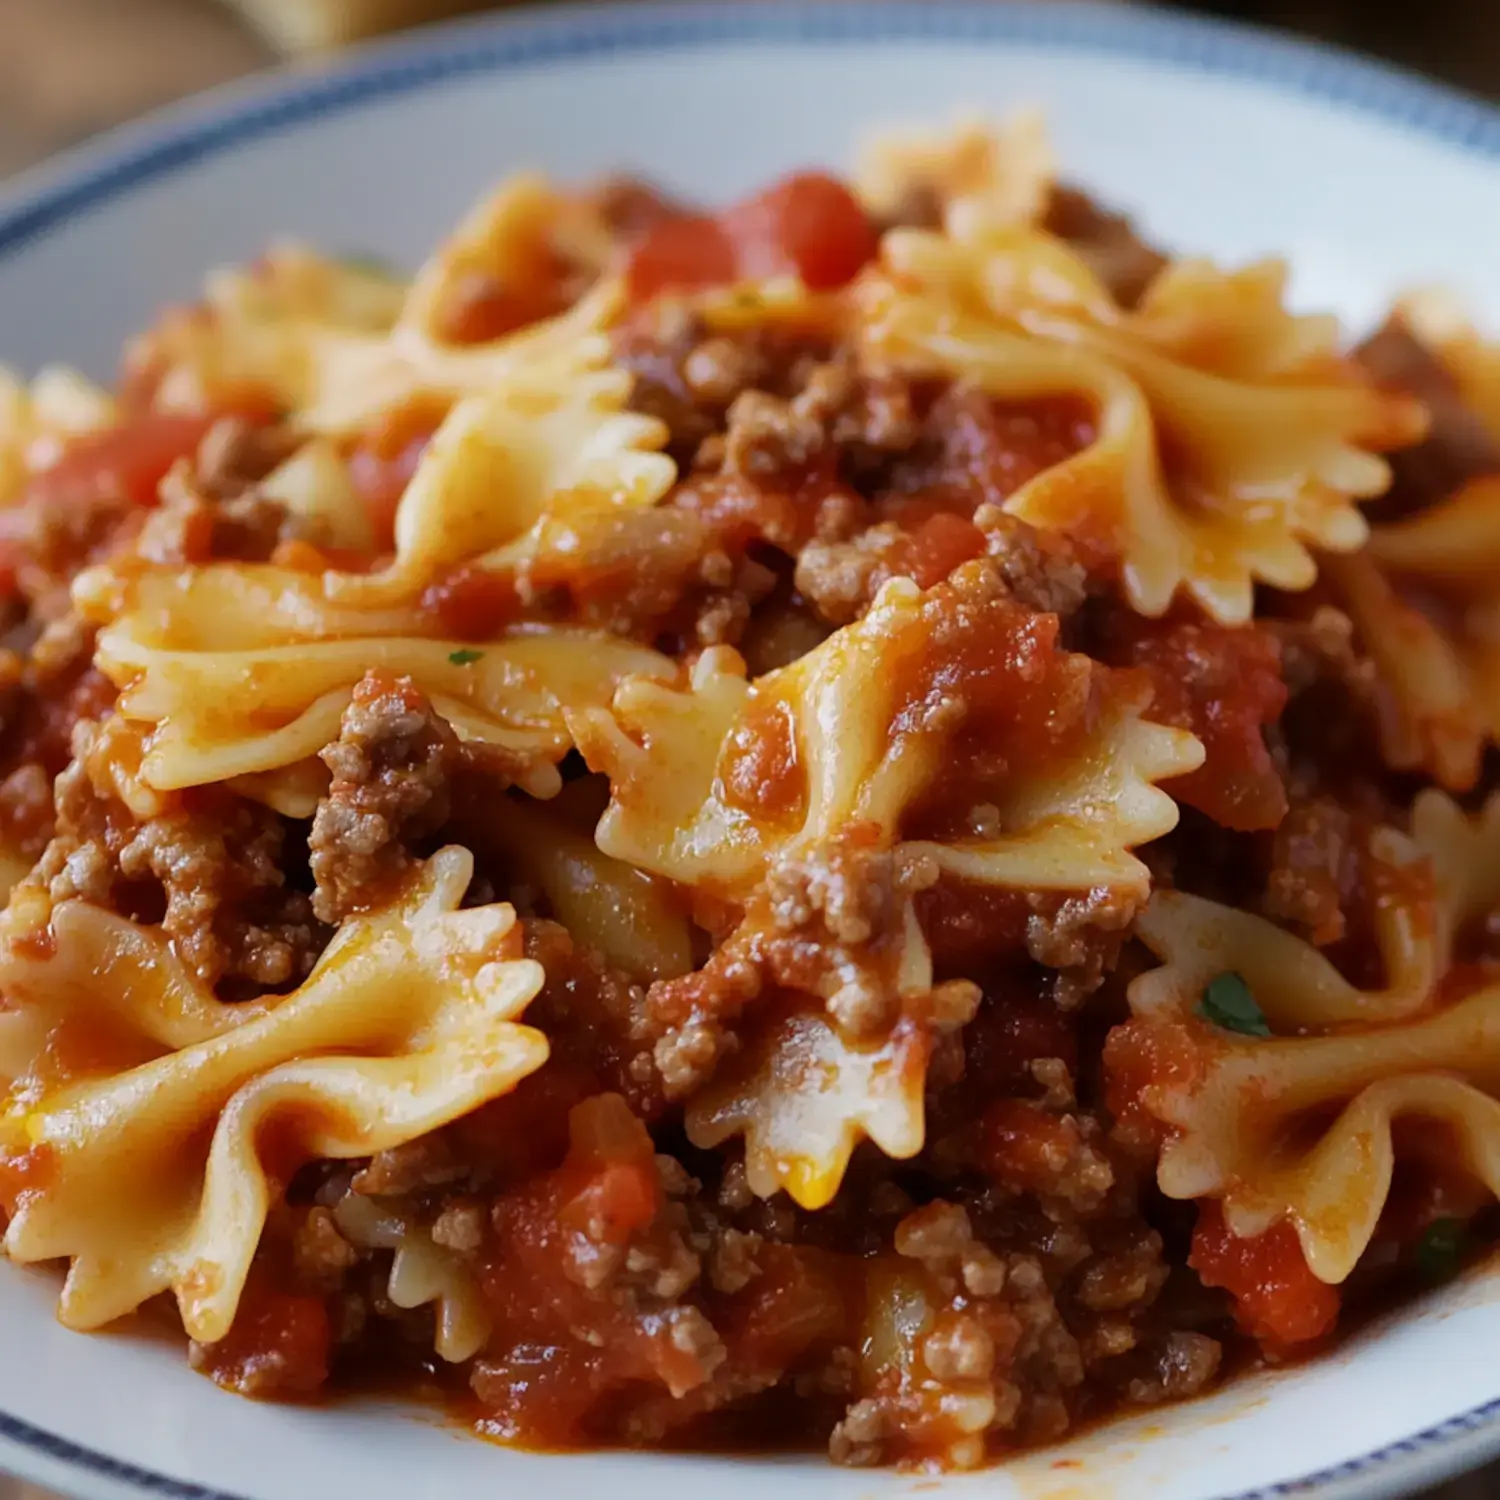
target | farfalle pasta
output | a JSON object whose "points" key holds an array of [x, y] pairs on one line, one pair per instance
{"points": [[198, 665], [1303, 1128], [722, 821], [514, 472], [424, 997], [1228, 442], [732, 787]]}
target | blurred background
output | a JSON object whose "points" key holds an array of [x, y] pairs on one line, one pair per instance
{"points": [[71, 68]]}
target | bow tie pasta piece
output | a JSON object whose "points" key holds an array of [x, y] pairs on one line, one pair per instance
{"points": [[1230, 323], [1242, 1116], [58, 1009], [422, 1273], [153, 1179], [820, 797], [803, 1097], [1262, 469], [838, 1051], [1424, 595], [1003, 173], [1440, 671], [244, 670], [518, 257], [1454, 543], [632, 920], [709, 785], [292, 280], [1235, 324], [1232, 1107], [529, 455], [1435, 880], [1294, 984], [660, 747], [350, 380], [226, 606], [327, 340], [263, 328], [1440, 666], [1463, 851]]}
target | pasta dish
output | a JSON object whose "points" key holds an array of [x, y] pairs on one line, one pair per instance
{"points": [[859, 820]]}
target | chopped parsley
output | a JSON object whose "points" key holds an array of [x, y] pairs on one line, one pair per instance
{"points": [[1228, 1003], [465, 658], [1440, 1251]]}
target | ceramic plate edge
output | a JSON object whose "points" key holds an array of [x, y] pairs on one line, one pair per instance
{"points": [[45, 198]]}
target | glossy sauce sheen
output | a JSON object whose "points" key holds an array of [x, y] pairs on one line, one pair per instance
{"points": [[634, 1289]]}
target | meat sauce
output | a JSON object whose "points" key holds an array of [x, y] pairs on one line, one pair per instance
{"points": [[1018, 1275]]}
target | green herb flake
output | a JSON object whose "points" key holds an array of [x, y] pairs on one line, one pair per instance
{"points": [[464, 658], [1440, 1251], [747, 301], [1228, 1003]]}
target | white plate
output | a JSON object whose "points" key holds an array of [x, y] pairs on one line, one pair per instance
{"points": [[1225, 141]]}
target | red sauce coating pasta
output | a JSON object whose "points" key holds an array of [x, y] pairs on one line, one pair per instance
{"points": [[858, 1129]]}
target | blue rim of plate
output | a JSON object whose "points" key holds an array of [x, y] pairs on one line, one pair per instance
{"points": [[85, 179]]}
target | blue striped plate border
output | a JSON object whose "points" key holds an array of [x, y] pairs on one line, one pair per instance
{"points": [[44, 200]]}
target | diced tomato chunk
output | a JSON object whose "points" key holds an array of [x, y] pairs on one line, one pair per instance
{"points": [[472, 603], [607, 1193], [796, 1302], [1226, 687], [1024, 1148], [679, 255], [1277, 1299], [12, 556], [131, 460], [620, 1200], [808, 223], [279, 1345], [1143, 1056], [939, 544]]}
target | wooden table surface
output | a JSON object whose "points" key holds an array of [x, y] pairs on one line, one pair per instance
{"points": [[69, 68]]}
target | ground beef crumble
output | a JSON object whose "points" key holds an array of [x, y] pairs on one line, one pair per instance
{"points": [[208, 866], [1458, 446], [1115, 253], [390, 766], [827, 922]]}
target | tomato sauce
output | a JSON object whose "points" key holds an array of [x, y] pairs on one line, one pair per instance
{"points": [[1012, 699], [280, 1342], [1277, 1299], [480, 307], [1225, 686], [1142, 1055], [982, 451], [935, 547], [760, 769], [473, 604]]}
